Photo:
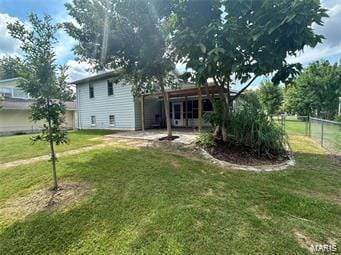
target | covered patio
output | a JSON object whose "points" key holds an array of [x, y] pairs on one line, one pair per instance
{"points": [[186, 109]]}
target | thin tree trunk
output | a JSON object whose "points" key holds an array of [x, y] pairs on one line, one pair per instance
{"points": [[218, 129], [53, 154], [166, 105], [226, 109], [225, 122]]}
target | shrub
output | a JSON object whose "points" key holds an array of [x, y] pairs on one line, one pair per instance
{"points": [[215, 118], [253, 128], [205, 140], [338, 118]]}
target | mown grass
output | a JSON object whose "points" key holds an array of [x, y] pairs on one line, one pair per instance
{"points": [[331, 132], [21, 147], [149, 202]]}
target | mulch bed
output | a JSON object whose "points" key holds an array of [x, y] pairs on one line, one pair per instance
{"points": [[237, 153], [168, 138], [46, 199]]}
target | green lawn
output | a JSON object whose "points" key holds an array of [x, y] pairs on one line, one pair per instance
{"points": [[20, 146], [145, 201], [296, 127]]}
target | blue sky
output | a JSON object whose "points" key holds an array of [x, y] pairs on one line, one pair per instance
{"points": [[11, 10]]}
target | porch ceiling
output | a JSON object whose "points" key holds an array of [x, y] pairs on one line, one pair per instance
{"points": [[186, 92]]}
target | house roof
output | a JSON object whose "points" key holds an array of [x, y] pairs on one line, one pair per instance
{"points": [[187, 88], [95, 77], [12, 79], [25, 104]]}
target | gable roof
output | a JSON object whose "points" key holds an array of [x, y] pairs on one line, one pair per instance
{"points": [[95, 77], [11, 79]]}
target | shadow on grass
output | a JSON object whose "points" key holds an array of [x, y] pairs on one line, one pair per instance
{"points": [[155, 202]]}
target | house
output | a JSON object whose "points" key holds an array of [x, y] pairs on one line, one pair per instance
{"points": [[104, 104], [15, 110]]}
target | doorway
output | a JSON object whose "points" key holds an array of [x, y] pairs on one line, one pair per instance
{"points": [[177, 114]]}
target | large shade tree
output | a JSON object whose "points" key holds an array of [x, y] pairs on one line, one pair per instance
{"points": [[316, 91], [240, 40], [44, 80], [129, 36]]}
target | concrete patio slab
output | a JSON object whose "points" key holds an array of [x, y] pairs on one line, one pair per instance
{"points": [[186, 136]]}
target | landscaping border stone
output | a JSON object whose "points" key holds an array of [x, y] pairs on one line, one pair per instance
{"points": [[261, 168]]}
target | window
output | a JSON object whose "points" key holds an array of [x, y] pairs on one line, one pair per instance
{"points": [[93, 120], [112, 120], [195, 109], [189, 109], [91, 91], [207, 106], [110, 88]]}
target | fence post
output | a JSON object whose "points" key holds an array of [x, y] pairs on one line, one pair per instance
{"points": [[309, 126], [322, 133]]}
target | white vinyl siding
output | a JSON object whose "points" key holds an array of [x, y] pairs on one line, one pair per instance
{"points": [[120, 104]]}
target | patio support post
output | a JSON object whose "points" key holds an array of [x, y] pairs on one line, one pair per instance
{"points": [[142, 112], [200, 109], [186, 111]]}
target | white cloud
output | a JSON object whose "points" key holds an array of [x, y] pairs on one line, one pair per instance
{"points": [[78, 70], [331, 30], [8, 45], [63, 48]]}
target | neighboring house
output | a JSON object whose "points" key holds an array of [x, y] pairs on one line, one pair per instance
{"points": [[103, 104], [15, 110]]}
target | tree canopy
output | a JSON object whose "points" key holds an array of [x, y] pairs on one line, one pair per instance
{"points": [[315, 91], [216, 39], [127, 35], [241, 40]]}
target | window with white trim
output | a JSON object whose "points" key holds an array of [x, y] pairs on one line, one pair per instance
{"points": [[110, 88], [112, 120], [91, 91]]}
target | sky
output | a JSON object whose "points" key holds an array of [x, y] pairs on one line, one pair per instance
{"points": [[12, 10]]}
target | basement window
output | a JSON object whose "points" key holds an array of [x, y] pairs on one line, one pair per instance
{"points": [[93, 120], [112, 120]]}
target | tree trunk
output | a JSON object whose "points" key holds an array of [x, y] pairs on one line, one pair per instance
{"points": [[225, 122], [226, 109], [166, 105], [217, 132], [54, 170], [53, 154]]}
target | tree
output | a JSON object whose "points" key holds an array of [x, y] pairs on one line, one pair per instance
{"points": [[251, 98], [126, 35], [10, 67], [316, 91], [242, 40], [43, 80], [271, 97]]}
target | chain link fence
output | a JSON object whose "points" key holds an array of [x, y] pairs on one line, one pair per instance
{"points": [[325, 132]]}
